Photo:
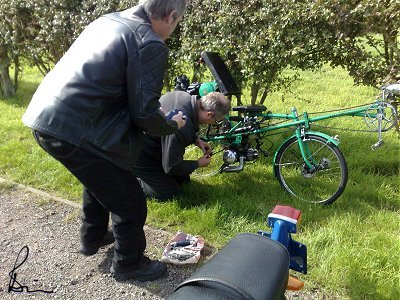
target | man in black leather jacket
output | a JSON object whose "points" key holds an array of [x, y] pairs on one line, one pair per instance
{"points": [[90, 113], [161, 168]]}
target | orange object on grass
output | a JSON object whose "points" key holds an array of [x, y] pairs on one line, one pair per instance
{"points": [[294, 284]]}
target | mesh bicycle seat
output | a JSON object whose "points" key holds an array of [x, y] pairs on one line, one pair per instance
{"points": [[249, 108]]}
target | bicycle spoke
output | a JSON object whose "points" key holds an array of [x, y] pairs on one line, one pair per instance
{"points": [[321, 184]]}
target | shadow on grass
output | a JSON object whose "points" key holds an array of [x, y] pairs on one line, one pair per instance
{"points": [[237, 194], [257, 189]]}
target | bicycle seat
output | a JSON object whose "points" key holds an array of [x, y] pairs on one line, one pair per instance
{"points": [[393, 88], [247, 267], [249, 108]]}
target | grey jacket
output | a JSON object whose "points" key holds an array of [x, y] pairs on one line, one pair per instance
{"points": [[168, 151], [103, 93]]}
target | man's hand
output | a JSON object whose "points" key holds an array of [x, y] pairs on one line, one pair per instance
{"points": [[180, 119], [204, 161], [204, 146]]}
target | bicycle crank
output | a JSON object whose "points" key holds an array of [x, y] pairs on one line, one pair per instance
{"points": [[380, 116]]}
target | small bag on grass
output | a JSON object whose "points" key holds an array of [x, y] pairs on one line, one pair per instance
{"points": [[183, 249]]}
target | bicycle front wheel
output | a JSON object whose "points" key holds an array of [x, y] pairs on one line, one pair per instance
{"points": [[322, 184]]}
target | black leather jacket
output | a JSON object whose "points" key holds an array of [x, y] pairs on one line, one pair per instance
{"points": [[104, 91]]}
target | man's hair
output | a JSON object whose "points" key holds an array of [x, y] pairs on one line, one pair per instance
{"points": [[159, 9], [217, 103]]}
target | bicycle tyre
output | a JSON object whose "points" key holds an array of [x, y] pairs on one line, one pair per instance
{"points": [[323, 186]]}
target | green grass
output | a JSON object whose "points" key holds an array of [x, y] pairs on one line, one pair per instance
{"points": [[353, 245]]}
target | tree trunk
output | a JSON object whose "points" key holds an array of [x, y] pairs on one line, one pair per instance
{"points": [[6, 85], [264, 95], [254, 92]]}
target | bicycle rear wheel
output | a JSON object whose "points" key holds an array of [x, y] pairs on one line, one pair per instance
{"points": [[324, 184]]}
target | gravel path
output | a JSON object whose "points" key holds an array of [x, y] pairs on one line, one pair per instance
{"points": [[49, 226], [51, 231]]}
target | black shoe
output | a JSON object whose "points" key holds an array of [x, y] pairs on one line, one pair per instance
{"points": [[146, 270], [92, 248]]}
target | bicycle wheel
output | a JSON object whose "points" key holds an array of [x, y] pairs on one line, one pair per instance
{"points": [[193, 153], [324, 184]]}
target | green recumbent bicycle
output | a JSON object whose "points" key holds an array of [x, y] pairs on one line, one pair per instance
{"points": [[308, 164]]}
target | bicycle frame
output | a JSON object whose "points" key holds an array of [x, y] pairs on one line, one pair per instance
{"points": [[248, 125], [305, 161]]}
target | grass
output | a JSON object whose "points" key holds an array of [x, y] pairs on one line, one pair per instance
{"points": [[353, 245]]}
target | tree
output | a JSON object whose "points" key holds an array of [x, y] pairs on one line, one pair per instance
{"points": [[57, 23], [12, 15], [366, 35], [261, 38], [42, 30], [7, 88]]}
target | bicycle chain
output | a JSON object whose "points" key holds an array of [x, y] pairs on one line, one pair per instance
{"points": [[339, 128], [344, 129], [340, 109]]}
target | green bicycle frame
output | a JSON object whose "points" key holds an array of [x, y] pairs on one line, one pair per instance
{"points": [[238, 130]]}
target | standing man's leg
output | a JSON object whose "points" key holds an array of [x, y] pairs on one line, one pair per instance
{"points": [[118, 192], [95, 220]]}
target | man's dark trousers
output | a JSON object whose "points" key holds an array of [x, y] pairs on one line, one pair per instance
{"points": [[107, 189], [155, 183]]}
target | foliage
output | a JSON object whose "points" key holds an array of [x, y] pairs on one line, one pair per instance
{"points": [[364, 37], [258, 38], [261, 38], [9, 39], [41, 31]]}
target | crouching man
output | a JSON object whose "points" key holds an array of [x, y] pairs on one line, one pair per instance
{"points": [[161, 167]]}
